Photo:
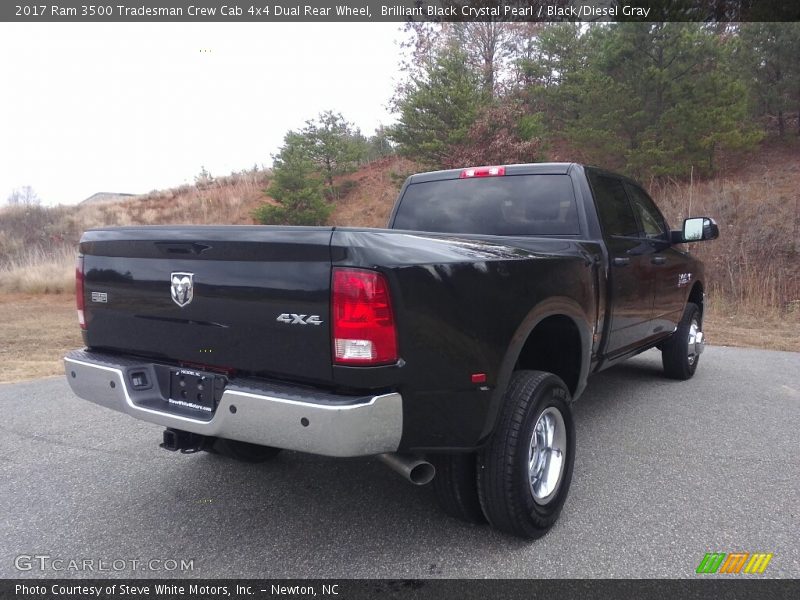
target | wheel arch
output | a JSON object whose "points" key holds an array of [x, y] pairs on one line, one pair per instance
{"points": [[556, 337], [697, 295]]}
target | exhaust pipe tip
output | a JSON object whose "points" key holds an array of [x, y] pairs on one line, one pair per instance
{"points": [[412, 469], [422, 474]]}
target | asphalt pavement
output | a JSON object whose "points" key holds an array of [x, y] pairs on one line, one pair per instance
{"points": [[665, 471]]}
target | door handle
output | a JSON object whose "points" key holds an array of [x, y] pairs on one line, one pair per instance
{"points": [[621, 262], [658, 260]]}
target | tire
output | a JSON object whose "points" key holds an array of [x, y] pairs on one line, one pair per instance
{"points": [[243, 451], [456, 486], [680, 354], [518, 498]]}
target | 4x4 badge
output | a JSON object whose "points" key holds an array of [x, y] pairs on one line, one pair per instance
{"points": [[294, 319], [182, 288]]}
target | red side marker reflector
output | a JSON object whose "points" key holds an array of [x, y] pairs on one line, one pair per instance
{"points": [[479, 378], [482, 172]]}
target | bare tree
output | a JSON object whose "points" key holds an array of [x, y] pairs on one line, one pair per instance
{"points": [[487, 45], [24, 196], [494, 51]]}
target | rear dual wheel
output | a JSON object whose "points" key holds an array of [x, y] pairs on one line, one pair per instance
{"points": [[456, 486], [520, 480]]}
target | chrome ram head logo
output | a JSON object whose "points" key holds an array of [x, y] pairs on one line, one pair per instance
{"points": [[182, 288]]}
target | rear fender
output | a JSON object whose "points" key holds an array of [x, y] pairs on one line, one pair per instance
{"points": [[557, 306]]}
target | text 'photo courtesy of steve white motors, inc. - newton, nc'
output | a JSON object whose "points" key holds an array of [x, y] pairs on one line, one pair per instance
{"points": [[73, 591], [364, 11]]}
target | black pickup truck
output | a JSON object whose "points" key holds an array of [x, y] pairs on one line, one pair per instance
{"points": [[450, 345]]}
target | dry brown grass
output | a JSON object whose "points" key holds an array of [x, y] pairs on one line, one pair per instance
{"points": [[228, 200], [45, 232], [36, 332], [753, 268], [224, 201], [39, 272], [769, 332]]}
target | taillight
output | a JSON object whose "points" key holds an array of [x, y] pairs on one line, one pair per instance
{"points": [[482, 172], [79, 292], [363, 323]]}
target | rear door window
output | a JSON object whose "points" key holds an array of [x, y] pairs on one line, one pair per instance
{"points": [[615, 212], [653, 224]]}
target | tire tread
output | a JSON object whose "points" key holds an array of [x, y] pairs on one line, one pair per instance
{"points": [[455, 485], [496, 464], [674, 350]]}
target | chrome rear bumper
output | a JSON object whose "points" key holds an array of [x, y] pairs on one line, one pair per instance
{"points": [[293, 418]]}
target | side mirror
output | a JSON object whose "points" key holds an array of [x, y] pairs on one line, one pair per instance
{"points": [[696, 229]]}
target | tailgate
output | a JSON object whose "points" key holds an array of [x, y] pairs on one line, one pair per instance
{"points": [[252, 298]]}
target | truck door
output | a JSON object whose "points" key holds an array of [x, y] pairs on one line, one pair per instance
{"points": [[630, 272], [668, 263]]}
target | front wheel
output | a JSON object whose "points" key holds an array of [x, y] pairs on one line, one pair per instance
{"points": [[680, 354], [525, 471]]}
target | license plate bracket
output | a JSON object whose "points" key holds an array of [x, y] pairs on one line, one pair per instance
{"points": [[195, 390]]}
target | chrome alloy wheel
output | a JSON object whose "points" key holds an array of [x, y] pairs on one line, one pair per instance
{"points": [[547, 455], [697, 342]]}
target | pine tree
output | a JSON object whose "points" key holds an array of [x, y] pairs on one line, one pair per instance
{"points": [[333, 145], [437, 106], [296, 187], [655, 99], [770, 54]]}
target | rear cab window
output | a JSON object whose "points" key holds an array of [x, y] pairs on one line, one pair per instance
{"points": [[510, 205]]}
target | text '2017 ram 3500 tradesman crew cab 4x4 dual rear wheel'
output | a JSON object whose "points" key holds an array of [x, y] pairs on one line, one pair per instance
{"points": [[451, 345]]}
